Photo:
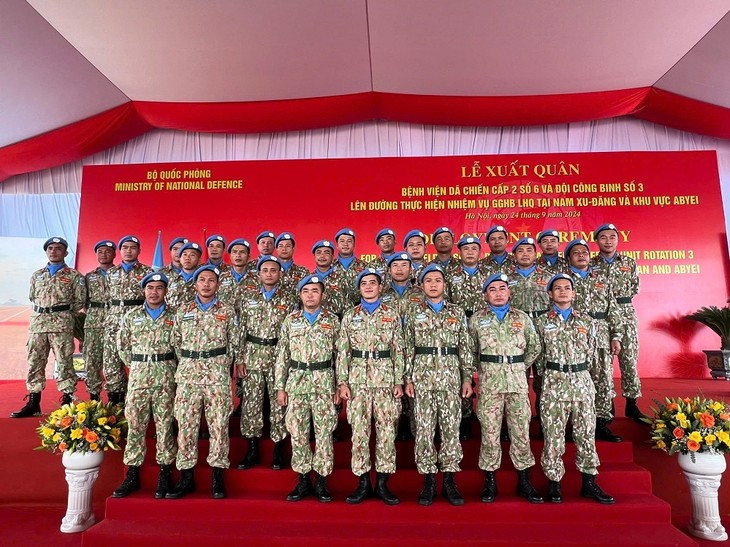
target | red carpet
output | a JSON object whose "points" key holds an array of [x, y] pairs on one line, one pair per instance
{"points": [[33, 493]]}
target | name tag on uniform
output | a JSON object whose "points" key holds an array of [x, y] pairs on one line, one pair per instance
{"points": [[357, 319], [485, 322], [252, 304], [512, 283], [226, 281], [550, 326], [297, 326], [189, 316], [138, 321], [114, 275], [457, 279], [93, 277], [420, 317]]}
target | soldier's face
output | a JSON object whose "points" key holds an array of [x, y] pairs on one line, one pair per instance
{"points": [[189, 259], [525, 256], [105, 256], [470, 254], [386, 244], [311, 296], [154, 293], [285, 249], [400, 270], [265, 245], [174, 253], [345, 245], [433, 285], [239, 255], [579, 257], [323, 257], [270, 273], [607, 242], [562, 292], [370, 288], [443, 242], [498, 293], [129, 251], [549, 245], [215, 250], [416, 248], [206, 285], [56, 252], [497, 242]]}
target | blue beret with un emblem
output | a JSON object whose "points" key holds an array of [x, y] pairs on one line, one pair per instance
{"points": [[206, 268], [154, 276], [574, 243], [176, 241], [400, 255], [345, 232], [412, 234], [323, 243], [442, 230], [493, 279], [284, 236], [105, 243], [215, 237], [523, 241], [557, 277], [266, 233], [51, 240], [384, 232], [129, 239], [603, 228], [310, 280], [239, 241], [190, 245], [267, 258], [428, 269], [467, 240], [548, 232], [367, 271], [494, 230]]}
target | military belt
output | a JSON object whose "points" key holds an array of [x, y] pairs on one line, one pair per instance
{"points": [[377, 354], [133, 302], [624, 299], [469, 313], [426, 350], [598, 315], [97, 304], [152, 357], [483, 358], [261, 341], [39, 309], [203, 354], [578, 367], [321, 365], [536, 313]]}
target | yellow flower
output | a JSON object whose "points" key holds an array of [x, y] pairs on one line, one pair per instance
{"points": [[76, 433], [82, 406], [47, 432], [723, 436], [684, 423], [81, 418], [695, 436], [93, 447], [56, 437], [660, 425], [709, 439], [101, 421], [717, 406], [661, 444], [681, 416]]}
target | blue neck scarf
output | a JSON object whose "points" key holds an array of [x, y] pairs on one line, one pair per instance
{"points": [[102, 271], [311, 317], [551, 259], [370, 306], [565, 314], [324, 275], [268, 295], [286, 266], [400, 290], [443, 263], [238, 276], [500, 311], [154, 314], [205, 307], [609, 260], [435, 307], [499, 259], [346, 262], [471, 270], [526, 273], [128, 267], [176, 269], [54, 268], [187, 277], [215, 263], [580, 273]]}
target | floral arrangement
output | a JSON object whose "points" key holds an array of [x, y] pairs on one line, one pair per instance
{"points": [[86, 426], [689, 426]]}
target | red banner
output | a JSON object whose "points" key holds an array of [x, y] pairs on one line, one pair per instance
{"points": [[667, 206]]}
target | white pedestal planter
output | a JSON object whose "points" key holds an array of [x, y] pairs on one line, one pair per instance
{"points": [[81, 473], [703, 476]]}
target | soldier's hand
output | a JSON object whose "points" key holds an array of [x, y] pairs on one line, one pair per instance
{"points": [[398, 392], [282, 398], [615, 347], [466, 390], [344, 392], [410, 390], [241, 371], [337, 398]]}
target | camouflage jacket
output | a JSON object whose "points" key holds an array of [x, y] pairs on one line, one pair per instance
{"points": [[97, 291], [290, 278], [493, 266], [66, 288], [349, 277], [465, 290], [412, 295], [335, 298], [529, 294], [261, 318], [362, 331], [179, 292], [169, 270], [595, 298], [561, 265], [231, 291], [514, 335], [623, 278], [125, 286], [454, 263]]}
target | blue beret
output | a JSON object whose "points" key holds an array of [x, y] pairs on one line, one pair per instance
{"points": [[603, 228], [400, 255], [384, 232], [442, 230], [176, 241], [574, 243], [523, 241], [414, 233], [367, 271], [556, 277], [264, 234], [428, 269], [128, 239], [105, 243], [239, 241], [55, 240], [190, 245], [267, 258], [494, 278], [495, 229], [467, 240], [284, 236], [345, 232], [206, 268], [154, 276], [323, 243], [548, 232], [215, 237], [310, 280]]}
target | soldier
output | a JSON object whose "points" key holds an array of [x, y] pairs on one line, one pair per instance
{"points": [[385, 240], [125, 293], [415, 245], [370, 376], [291, 273], [593, 296], [443, 241], [347, 265], [506, 344], [57, 293], [263, 309], [216, 245], [305, 384], [145, 346], [439, 368], [174, 265], [238, 277], [568, 344], [97, 300], [550, 259], [265, 243], [335, 299], [624, 281], [498, 259], [206, 340], [181, 287]]}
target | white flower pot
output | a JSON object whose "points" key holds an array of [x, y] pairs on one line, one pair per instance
{"points": [[82, 469], [703, 476]]}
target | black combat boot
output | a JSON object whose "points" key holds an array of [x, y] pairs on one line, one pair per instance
{"points": [[489, 492], [320, 488], [382, 490], [302, 489], [464, 429], [429, 489], [252, 457], [185, 486], [555, 495], [66, 399], [31, 408], [449, 490], [130, 484], [633, 412], [277, 461], [525, 488], [219, 489], [589, 489], [94, 397], [364, 490], [603, 433], [163, 481]]}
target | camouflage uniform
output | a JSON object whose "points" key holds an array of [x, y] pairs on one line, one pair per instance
{"points": [[179, 292], [145, 347], [335, 297], [310, 390], [437, 380], [624, 282], [416, 270], [348, 277], [261, 321], [371, 380], [289, 279], [453, 263], [204, 382], [491, 264], [561, 265], [56, 300], [380, 263], [97, 300], [124, 293], [567, 393], [504, 349], [231, 290]]}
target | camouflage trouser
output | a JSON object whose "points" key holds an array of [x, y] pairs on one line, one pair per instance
{"points": [[602, 374], [93, 358], [299, 412], [115, 373], [516, 408], [39, 347], [252, 399], [444, 407], [554, 415], [408, 412], [190, 401], [628, 358], [364, 405], [140, 404]]}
